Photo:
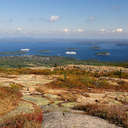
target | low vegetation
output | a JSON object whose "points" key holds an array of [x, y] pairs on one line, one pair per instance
{"points": [[116, 74], [33, 120], [87, 83], [117, 114], [75, 81], [18, 71], [36, 60], [9, 98], [75, 78], [67, 79]]}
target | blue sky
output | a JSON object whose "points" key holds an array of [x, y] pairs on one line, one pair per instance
{"points": [[64, 18]]}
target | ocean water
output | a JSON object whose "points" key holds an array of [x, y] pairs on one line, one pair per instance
{"points": [[118, 49]]}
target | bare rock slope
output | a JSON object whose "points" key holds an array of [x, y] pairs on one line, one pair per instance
{"points": [[72, 120]]}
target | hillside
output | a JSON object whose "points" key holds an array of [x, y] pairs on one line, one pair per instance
{"points": [[70, 93]]}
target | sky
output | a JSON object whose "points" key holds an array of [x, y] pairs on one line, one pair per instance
{"points": [[64, 18]]}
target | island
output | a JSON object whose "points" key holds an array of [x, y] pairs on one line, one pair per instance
{"points": [[96, 47], [71, 48], [12, 53], [44, 51], [103, 54]]}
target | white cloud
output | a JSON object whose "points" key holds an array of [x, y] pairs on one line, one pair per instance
{"points": [[102, 30], [54, 18], [118, 30], [66, 30], [80, 30], [19, 29]]}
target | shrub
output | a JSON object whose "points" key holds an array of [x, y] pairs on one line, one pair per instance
{"points": [[115, 114], [33, 120], [15, 87], [9, 99]]}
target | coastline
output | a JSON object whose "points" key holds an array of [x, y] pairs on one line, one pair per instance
{"points": [[51, 61]]}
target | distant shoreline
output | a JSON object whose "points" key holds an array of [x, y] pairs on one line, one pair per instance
{"points": [[34, 60]]}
